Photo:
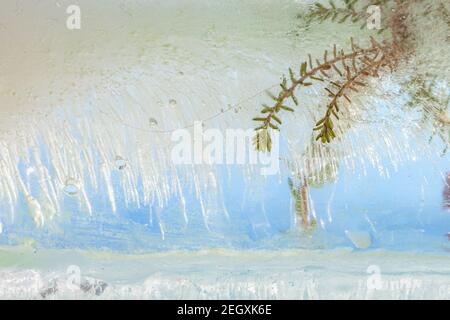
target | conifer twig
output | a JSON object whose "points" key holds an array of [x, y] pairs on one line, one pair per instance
{"points": [[269, 118], [325, 125]]}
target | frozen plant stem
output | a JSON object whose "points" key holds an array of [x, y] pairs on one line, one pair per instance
{"points": [[350, 10], [270, 117], [325, 125], [356, 65]]}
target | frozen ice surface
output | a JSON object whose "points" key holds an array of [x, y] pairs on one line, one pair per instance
{"points": [[224, 274], [85, 137]]}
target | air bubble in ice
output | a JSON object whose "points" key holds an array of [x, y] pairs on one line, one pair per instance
{"points": [[173, 103], [71, 187], [152, 122], [1, 228], [120, 163]]}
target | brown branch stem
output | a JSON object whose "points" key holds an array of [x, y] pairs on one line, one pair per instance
{"points": [[288, 93]]}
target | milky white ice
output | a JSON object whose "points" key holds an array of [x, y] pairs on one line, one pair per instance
{"points": [[304, 274]]}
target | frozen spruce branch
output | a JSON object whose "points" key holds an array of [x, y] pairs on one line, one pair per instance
{"points": [[344, 72], [423, 93], [355, 11], [341, 72], [353, 76]]}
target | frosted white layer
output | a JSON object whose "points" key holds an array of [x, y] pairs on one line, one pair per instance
{"points": [[221, 274]]}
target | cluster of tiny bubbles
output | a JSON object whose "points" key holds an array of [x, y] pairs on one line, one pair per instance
{"points": [[71, 187], [120, 163], [152, 122]]}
